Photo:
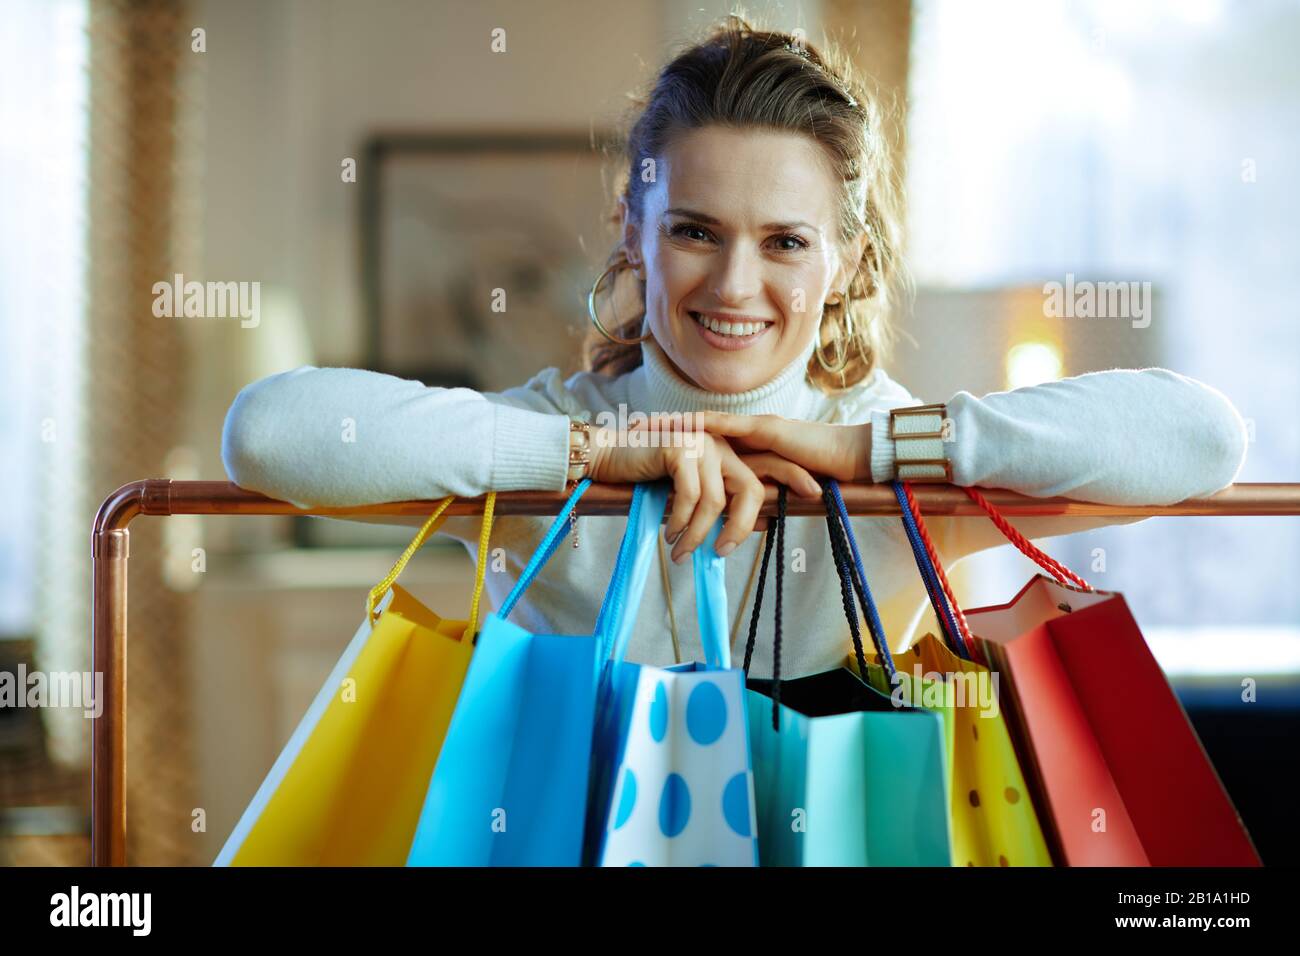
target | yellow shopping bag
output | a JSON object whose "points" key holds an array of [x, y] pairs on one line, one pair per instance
{"points": [[993, 818], [348, 788]]}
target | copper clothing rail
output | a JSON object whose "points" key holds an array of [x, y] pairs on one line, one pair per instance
{"points": [[166, 497]]}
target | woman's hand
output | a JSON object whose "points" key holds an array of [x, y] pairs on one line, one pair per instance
{"points": [[842, 452], [706, 472]]}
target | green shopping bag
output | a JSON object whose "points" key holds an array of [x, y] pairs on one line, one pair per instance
{"points": [[994, 821], [842, 777]]}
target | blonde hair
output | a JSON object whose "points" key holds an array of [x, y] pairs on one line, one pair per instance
{"points": [[740, 77]]}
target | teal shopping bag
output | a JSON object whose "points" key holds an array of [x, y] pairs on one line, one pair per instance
{"points": [[842, 776], [510, 784]]}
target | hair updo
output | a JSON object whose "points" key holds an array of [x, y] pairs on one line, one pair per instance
{"points": [[741, 77]]}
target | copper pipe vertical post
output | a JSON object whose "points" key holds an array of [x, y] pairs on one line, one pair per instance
{"points": [[108, 762], [109, 550]]}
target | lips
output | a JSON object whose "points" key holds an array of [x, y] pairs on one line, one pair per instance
{"points": [[728, 325], [738, 332]]}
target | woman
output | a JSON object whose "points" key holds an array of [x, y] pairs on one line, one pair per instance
{"points": [[758, 215]]}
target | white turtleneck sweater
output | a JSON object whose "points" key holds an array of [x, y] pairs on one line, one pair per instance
{"points": [[1146, 436]]}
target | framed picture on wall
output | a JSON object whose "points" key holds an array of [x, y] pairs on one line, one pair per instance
{"points": [[478, 251]]}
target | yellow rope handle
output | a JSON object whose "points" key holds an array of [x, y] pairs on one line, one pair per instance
{"points": [[380, 589], [480, 572], [429, 527]]}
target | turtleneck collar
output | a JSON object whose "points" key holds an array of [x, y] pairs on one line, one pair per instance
{"points": [[655, 386]]}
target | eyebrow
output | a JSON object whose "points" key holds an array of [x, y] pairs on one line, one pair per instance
{"points": [[714, 221]]}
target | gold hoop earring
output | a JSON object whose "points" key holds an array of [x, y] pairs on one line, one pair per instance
{"points": [[595, 319]]}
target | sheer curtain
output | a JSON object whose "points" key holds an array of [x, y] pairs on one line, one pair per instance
{"points": [[93, 211], [43, 97]]}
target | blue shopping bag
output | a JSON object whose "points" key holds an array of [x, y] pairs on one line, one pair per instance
{"points": [[510, 784], [671, 777], [842, 775]]}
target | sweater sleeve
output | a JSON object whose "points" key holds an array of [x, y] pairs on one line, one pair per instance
{"points": [[336, 437], [1123, 436]]}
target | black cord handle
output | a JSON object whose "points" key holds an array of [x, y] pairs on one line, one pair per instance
{"points": [[850, 583], [775, 532]]}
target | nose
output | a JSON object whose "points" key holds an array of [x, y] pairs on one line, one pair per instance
{"points": [[737, 276]]}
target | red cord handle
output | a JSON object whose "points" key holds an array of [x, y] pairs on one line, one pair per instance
{"points": [[1062, 574], [1059, 571], [915, 508]]}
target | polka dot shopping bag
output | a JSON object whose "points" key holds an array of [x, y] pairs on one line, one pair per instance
{"points": [[671, 777]]}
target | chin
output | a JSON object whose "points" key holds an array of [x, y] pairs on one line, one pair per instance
{"points": [[727, 376], [725, 371]]}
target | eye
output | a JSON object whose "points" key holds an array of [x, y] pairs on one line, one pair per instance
{"points": [[798, 241], [682, 229]]}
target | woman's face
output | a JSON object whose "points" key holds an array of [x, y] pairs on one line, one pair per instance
{"points": [[740, 228]]}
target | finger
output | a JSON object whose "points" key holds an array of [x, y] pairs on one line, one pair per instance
{"points": [[792, 439], [725, 423], [686, 493], [746, 501], [793, 476], [662, 422], [713, 498]]}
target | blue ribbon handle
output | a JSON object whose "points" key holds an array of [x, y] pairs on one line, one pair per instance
{"points": [[611, 605], [627, 586], [711, 600], [557, 532], [618, 613]]}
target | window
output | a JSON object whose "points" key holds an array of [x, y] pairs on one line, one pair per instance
{"points": [[1157, 142], [43, 95]]}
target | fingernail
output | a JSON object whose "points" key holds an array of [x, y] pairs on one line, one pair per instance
{"points": [[677, 558], [726, 549]]}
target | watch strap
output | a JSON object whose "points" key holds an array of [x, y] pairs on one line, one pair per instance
{"points": [[918, 434]]}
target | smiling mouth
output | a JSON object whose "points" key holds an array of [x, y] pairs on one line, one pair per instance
{"points": [[736, 330]]}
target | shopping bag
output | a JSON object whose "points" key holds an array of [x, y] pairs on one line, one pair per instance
{"points": [[842, 776], [1112, 754], [347, 788], [510, 785], [671, 775], [994, 819]]}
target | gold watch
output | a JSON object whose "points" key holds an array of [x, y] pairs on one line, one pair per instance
{"points": [[579, 449], [918, 433]]}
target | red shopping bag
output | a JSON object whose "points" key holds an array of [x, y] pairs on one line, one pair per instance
{"points": [[1116, 764]]}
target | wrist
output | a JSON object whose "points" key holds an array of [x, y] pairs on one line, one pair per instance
{"points": [[603, 442], [862, 453]]}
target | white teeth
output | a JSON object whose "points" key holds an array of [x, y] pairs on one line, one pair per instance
{"points": [[734, 329]]}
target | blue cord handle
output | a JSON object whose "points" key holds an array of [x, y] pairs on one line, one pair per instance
{"points": [[873, 617], [554, 535], [930, 577]]}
